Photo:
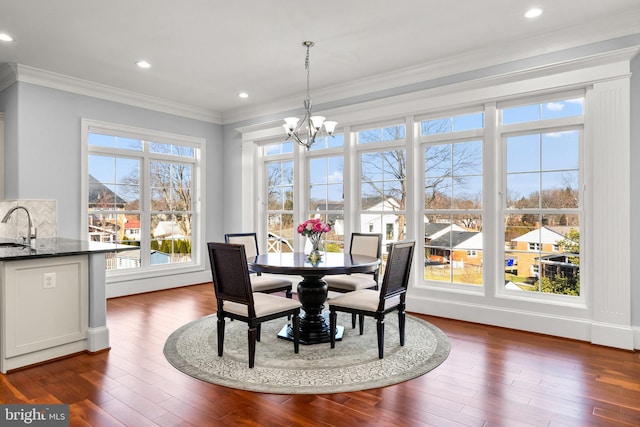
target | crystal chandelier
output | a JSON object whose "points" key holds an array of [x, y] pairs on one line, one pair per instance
{"points": [[304, 131]]}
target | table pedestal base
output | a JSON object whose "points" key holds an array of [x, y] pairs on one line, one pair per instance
{"points": [[315, 332]]}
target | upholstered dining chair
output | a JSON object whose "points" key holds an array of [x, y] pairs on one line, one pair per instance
{"points": [[259, 283], [235, 298], [378, 303], [361, 244]]}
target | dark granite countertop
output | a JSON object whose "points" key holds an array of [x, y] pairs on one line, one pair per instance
{"points": [[53, 247]]}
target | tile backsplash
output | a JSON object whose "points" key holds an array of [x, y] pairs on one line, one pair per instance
{"points": [[43, 217]]}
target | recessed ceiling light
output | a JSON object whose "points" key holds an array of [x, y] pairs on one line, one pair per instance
{"points": [[243, 95], [143, 64], [533, 13], [5, 37]]}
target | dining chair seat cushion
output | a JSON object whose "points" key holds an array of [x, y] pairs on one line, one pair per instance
{"points": [[264, 305], [266, 283], [364, 299], [350, 282]]}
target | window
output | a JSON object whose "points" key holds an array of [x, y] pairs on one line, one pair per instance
{"points": [[515, 164], [383, 191], [326, 196], [280, 197], [141, 189], [542, 205], [453, 239]]}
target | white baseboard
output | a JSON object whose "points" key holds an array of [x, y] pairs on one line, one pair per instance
{"points": [[98, 339], [618, 336], [142, 285]]}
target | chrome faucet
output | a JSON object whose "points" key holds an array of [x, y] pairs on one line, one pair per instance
{"points": [[12, 210]]}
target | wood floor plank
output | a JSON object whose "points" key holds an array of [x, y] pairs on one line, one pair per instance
{"points": [[493, 377]]}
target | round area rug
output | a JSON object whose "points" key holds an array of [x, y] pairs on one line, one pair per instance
{"points": [[317, 369]]}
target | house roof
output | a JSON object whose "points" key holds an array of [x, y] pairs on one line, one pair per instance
{"points": [[542, 235], [98, 191], [457, 240]]}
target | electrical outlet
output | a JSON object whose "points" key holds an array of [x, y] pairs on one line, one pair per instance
{"points": [[49, 280]]}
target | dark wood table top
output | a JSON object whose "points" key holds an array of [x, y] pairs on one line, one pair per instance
{"points": [[297, 263]]}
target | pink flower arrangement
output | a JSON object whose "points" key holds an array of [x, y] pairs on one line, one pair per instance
{"points": [[313, 228]]}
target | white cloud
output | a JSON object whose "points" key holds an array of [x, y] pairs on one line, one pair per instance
{"points": [[555, 106], [335, 177], [559, 134]]}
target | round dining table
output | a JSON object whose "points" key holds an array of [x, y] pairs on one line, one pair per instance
{"points": [[312, 290]]}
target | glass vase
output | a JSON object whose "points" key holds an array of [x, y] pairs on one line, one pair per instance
{"points": [[316, 244]]}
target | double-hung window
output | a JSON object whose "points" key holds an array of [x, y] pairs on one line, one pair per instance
{"points": [[453, 199], [280, 197], [326, 188], [141, 190], [542, 202], [383, 181]]}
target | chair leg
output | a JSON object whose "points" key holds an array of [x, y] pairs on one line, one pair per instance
{"points": [[296, 333], [258, 329], [353, 321], [289, 294], [333, 319], [401, 323], [361, 323], [220, 335], [380, 326], [252, 335]]}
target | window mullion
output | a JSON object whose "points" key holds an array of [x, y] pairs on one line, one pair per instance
{"points": [[145, 214]]}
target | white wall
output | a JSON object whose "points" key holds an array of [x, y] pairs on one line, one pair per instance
{"points": [[43, 158], [635, 191]]}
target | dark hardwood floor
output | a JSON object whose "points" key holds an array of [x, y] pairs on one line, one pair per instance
{"points": [[493, 377]]}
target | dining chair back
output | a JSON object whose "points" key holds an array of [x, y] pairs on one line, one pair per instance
{"points": [[236, 300], [396, 274], [378, 303], [368, 244], [268, 284], [249, 240]]}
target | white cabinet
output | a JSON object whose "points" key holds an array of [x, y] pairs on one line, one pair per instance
{"points": [[43, 310]]}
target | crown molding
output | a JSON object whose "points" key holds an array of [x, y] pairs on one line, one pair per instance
{"points": [[563, 75], [542, 47], [7, 75], [11, 73], [446, 73]]}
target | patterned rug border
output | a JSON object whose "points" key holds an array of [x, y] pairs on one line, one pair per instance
{"points": [[192, 349]]}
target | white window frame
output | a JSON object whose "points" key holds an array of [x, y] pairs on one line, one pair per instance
{"points": [[541, 126], [197, 238]]}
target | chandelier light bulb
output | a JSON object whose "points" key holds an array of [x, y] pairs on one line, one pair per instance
{"points": [[330, 126], [317, 122]]}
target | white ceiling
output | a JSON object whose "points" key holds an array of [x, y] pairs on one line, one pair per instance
{"points": [[204, 52]]}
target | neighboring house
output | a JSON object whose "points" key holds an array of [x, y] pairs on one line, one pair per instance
{"points": [[433, 230], [132, 229], [529, 247], [168, 230], [103, 227], [387, 224], [458, 248]]}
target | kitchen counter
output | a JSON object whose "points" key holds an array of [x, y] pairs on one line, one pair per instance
{"points": [[52, 247], [52, 299]]}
